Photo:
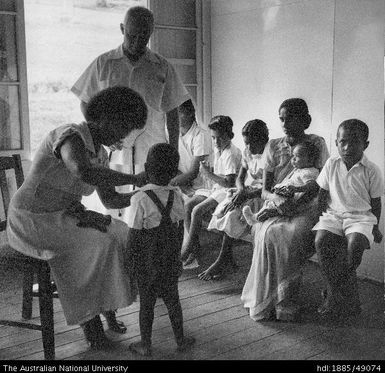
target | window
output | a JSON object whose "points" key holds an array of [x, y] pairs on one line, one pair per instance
{"points": [[60, 40], [14, 132], [178, 35]]}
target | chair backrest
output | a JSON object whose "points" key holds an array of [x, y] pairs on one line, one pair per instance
{"points": [[11, 178]]}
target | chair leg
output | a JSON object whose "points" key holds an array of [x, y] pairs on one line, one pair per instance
{"points": [[28, 277], [46, 312]]}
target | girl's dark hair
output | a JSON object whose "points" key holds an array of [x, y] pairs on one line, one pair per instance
{"points": [[311, 150], [357, 126], [120, 105], [162, 162], [297, 107], [223, 124], [256, 130], [187, 107]]}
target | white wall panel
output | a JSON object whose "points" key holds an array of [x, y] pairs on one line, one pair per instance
{"points": [[264, 55], [329, 52], [358, 88]]}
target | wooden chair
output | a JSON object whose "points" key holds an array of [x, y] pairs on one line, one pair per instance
{"points": [[30, 267]]}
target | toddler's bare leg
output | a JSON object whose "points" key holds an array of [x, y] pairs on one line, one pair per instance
{"points": [[172, 302]]}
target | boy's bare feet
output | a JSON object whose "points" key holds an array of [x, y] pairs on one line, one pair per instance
{"points": [[191, 262], [185, 344], [140, 348]]}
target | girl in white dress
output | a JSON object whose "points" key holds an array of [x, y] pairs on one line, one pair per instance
{"points": [[227, 217]]}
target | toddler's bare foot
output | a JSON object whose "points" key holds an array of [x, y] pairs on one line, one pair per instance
{"points": [[185, 344], [140, 348]]}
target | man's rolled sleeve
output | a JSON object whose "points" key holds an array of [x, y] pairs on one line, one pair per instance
{"points": [[88, 83], [174, 93]]}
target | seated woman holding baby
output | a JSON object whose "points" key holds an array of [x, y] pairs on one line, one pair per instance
{"points": [[282, 235]]}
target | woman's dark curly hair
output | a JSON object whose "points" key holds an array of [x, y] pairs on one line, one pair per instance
{"points": [[120, 105]]}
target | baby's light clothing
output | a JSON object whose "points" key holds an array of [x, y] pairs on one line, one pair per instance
{"points": [[299, 177]]}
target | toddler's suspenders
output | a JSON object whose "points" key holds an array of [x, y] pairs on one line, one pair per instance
{"points": [[165, 211], [166, 256]]}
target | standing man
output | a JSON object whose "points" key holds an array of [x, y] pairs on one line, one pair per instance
{"points": [[134, 65]]}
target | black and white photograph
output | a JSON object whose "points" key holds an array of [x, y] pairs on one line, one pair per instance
{"points": [[192, 180]]}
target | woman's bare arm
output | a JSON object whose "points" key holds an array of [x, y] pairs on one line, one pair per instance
{"points": [[74, 155]]}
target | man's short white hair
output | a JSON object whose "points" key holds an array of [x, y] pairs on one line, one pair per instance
{"points": [[139, 14]]}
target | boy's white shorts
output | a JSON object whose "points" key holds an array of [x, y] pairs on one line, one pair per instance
{"points": [[347, 222]]}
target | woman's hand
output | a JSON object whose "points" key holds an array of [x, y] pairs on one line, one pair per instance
{"points": [[287, 191], [141, 179], [89, 218], [239, 197]]}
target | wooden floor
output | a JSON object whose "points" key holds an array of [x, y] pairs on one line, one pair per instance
{"points": [[214, 315]]}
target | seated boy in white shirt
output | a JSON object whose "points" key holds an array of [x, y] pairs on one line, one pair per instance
{"points": [[350, 193], [227, 161], [194, 146]]}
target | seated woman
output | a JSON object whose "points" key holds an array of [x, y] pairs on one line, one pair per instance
{"points": [[194, 146], [283, 243], [227, 217], [47, 221]]}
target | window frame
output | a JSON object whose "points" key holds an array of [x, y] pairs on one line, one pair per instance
{"points": [[203, 70], [202, 57], [21, 83]]}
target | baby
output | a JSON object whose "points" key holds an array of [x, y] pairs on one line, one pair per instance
{"points": [[292, 187]]}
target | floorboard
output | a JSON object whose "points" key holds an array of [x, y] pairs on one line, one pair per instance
{"points": [[214, 315]]}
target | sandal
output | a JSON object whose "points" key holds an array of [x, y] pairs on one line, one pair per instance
{"points": [[94, 333], [114, 324]]}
